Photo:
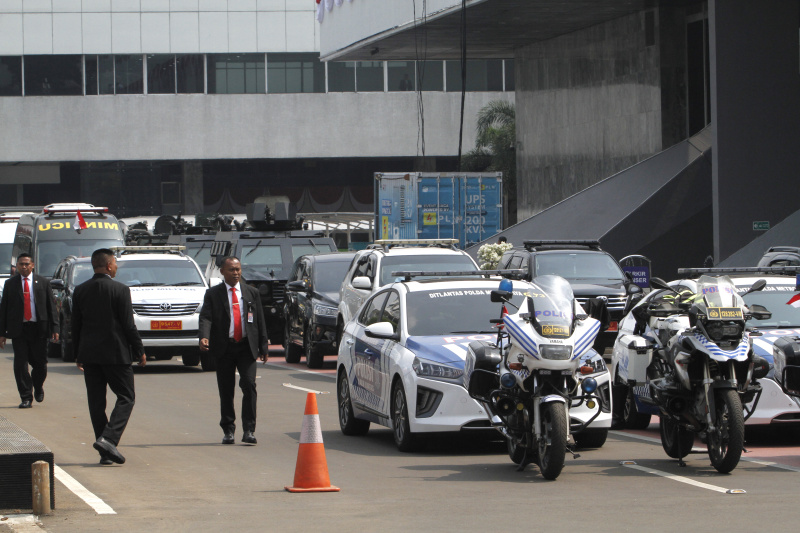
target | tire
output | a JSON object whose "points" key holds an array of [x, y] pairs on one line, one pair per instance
{"points": [[726, 443], [349, 424], [67, 348], [291, 351], [339, 333], [207, 362], [553, 444], [674, 437], [591, 438], [191, 358], [631, 416], [314, 357], [516, 452], [401, 429]]}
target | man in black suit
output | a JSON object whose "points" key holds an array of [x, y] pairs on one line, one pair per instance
{"points": [[104, 335], [232, 327], [28, 316]]}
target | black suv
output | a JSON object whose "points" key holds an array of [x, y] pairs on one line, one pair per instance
{"points": [[70, 272], [591, 272], [311, 306], [780, 256]]}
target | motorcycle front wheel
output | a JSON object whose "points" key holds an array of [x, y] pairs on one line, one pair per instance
{"points": [[553, 442], [675, 440], [726, 442]]}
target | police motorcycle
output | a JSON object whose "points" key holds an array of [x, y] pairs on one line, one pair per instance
{"points": [[541, 366], [700, 367]]}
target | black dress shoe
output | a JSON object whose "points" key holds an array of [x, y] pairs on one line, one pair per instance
{"points": [[228, 438], [249, 438], [108, 450], [39, 395], [106, 461], [26, 404]]}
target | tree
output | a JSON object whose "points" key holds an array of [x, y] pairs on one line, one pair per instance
{"points": [[495, 151]]}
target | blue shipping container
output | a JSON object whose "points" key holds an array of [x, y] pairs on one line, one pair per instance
{"points": [[422, 205]]}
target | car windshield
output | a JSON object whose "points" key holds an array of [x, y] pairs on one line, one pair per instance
{"points": [[49, 253], [80, 273], [432, 263], [718, 292], [455, 311], [328, 276], [200, 254], [310, 248], [578, 266], [155, 273], [261, 261], [5, 258], [776, 299]]}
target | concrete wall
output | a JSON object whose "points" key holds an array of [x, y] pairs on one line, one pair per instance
{"points": [[755, 110], [588, 104], [159, 127]]}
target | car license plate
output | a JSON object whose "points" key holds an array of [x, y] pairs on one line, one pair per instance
{"points": [[166, 324], [612, 326]]}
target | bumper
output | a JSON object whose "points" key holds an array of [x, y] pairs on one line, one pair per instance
{"points": [[774, 407], [455, 409], [169, 332]]}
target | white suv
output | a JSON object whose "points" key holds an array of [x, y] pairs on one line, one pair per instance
{"points": [[167, 290], [372, 268]]}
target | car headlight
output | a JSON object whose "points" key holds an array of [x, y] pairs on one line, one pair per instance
{"points": [[325, 310], [556, 352], [429, 369]]}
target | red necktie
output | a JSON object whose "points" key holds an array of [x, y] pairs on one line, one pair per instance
{"points": [[237, 316], [26, 293]]}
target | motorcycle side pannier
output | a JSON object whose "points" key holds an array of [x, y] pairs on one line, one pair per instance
{"points": [[640, 353], [481, 374], [786, 354]]}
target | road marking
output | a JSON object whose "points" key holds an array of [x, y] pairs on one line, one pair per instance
{"points": [[770, 463], [72, 484], [289, 385], [681, 479]]}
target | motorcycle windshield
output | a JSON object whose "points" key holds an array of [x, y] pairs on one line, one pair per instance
{"points": [[719, 292], [553, 306]]}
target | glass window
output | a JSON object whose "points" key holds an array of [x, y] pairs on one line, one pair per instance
{"points": [[5, 257], [372, 311], [128, 74], [155, 273], [342, 77], [50, 253], [260, 260], [160, 74], [509, 66], [10, 76], [189, 70], [400, 75], [369, 76], [430, 263], [53, 75], [328, 276], [578, 266], [200, 254], [432, 312], [236, 74], [482, 75], [391, 311], [105, 74], [90, 73], [430, 75], [295, 73], [81, 272]]}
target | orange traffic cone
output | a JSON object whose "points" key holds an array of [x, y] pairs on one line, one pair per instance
{"points": [[311, 472]]}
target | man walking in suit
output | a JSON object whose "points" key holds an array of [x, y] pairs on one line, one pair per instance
{"points": [[106, 342], [28, 317], [232, 327]]}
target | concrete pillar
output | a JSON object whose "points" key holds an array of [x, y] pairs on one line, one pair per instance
{"points": [[192, 187]]}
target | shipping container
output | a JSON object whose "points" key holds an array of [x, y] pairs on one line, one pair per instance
{"points": [[467, 206]]}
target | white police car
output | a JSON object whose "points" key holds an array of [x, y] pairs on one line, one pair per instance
{"points": [[401, 360], [773, 406]]}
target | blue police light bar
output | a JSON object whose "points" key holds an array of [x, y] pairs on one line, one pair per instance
{"points": [[408, 275], [774, 270]]}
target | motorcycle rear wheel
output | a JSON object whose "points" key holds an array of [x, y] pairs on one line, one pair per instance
{"points": [[726, 442], [553, 443], [674, 438]]}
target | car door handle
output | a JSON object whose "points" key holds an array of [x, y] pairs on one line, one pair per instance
{"points": [[348, 341], [369, 352]]}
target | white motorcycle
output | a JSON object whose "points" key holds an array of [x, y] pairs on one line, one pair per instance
{"points": [[541, 366]]}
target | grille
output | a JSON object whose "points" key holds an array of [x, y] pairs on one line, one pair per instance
{"points": [[278, 292], [175, 309], [615, 303]]}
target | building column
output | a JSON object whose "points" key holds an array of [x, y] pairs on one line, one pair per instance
{"points": [[192, 187]]}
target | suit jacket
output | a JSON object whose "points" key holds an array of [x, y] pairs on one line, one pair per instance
{"points": [[103, 330], [12, 307], [215, 320]]}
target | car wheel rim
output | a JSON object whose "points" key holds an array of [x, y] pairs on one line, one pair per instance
{"points": [[399, 415], [344, 402]]}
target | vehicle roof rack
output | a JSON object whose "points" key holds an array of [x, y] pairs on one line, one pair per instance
{"points": [[73, 208], [408, 275], [5, 217], [792, 249], [532, 246], [387, 244], [774, 270], [169, 249]]}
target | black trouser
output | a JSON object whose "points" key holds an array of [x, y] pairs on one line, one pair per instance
{"points": [[120, 379], [29, 349], [237, 356]]}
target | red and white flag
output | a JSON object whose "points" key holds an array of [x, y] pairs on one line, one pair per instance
{"points": [[794, 301], [79, 223]]}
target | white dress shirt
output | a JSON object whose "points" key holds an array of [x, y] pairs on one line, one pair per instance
{"points": [[33, 300], [233, 310]]}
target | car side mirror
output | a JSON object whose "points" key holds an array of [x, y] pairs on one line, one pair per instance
{"points": [[759, 312], [499, 296], [363, 283], [57, 284], [297, 286], [381, 330], [633, 289]]}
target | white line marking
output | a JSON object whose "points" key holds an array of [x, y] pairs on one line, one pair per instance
{"points": [[304, 389], [284, 367], [770, 463], [678, 478], [648, 439], [93, 501]]}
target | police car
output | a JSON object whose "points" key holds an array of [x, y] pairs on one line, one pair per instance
{"points": [[401, 359], [781, 297]]}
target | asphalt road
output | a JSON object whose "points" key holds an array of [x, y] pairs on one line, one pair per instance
{"points": [[178, 477]]}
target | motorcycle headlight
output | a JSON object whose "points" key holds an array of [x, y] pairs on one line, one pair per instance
{"points": [[556, 352], [429, 369], [325, 310]]}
